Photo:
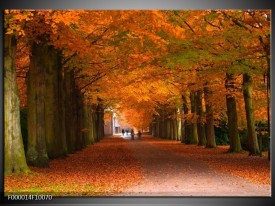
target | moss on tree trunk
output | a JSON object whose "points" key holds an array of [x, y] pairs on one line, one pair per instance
{"points": [[15, 160], [94, 122], [235, 143], [210, 132], [194, 131], [200, 124], [90, 125], [252, 136], [187, 126]]}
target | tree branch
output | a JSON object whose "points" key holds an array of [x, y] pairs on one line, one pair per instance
{"points": [[189, 26], [96, 78]]}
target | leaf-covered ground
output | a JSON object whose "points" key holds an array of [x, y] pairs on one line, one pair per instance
{"points": [[101, 169], [169, 173], [252, 168], [115, 165]]}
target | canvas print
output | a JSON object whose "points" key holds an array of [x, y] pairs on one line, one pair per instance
{"points": [[145, 103]]}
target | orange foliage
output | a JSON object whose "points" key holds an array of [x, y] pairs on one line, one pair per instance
{"points": [[132, 59]]}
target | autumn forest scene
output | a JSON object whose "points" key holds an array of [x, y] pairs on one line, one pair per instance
{"points": [[137, 102]]}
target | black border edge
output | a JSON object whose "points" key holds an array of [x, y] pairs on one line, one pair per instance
{"points": [[137, 4], [2, 105]]}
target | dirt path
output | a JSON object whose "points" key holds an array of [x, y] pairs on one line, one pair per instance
{"points": [[147, 167], [169, 174]]}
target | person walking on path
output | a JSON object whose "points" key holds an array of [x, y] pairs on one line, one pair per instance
{"points": [[132, 134], [122, 132], [127, 131], [139, 134]]}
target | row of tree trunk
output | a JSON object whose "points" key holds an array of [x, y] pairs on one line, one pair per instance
{"points": [[59, 122], [167, 125], [197, 126]]}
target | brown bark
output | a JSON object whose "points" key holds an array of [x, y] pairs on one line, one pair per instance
{"points": [[15, 160], [235, 143], [37, 150], [210, 132], [69, 110], [54, 104], [187, 125], [194, 133], [200, 124], [252, 136]]}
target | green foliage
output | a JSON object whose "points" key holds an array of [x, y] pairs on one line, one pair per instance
{"points": [[244, 140], [120, 37], [265, 141], [263, 136], [212, 16], [163, 34], [74, 26], [221, 134]]}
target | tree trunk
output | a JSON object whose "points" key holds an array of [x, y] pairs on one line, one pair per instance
{"points": [[168, 129], [88, 115], [69, 110], [86, 125], [94, 122], [100, 122], [37, 150], [235, 143], [54, 108], [175, 128], [151, 129], [157, 126], [15, 160], [90, 125], [266, 47], [61, 105], [172, 128], [162, 125], [179, 137], [252, 136], [183, 130], [187, 126], [194, 133], [200, 125], [154, 129], [210, 132], [79, 120]]}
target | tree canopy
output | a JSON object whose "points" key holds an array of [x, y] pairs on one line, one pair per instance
{"points": [[167, 69]]}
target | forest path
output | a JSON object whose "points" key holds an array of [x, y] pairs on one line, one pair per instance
{"points": [[169, 174]]}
